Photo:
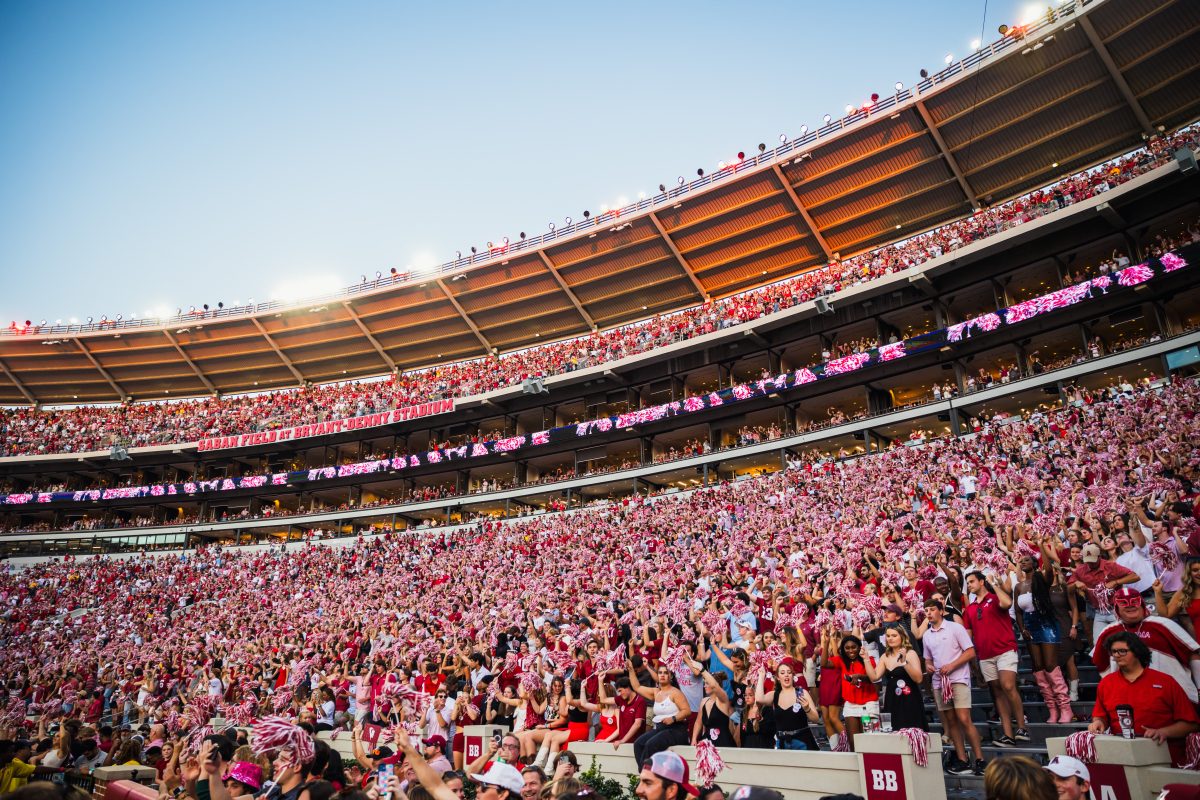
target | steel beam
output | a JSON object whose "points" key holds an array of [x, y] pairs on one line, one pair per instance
{"points": [[370, 338], [679, 256], [20, 386], [804, 215], [287, 362], [111, 382], [1115, 74], [179, 349], [462, 312], [567, 290], [972, 198]]}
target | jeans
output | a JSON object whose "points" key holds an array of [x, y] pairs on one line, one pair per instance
{"points": [[657, 740]]}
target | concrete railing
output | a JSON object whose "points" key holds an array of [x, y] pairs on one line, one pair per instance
{"points": [[883, 768], [1129, 769]]}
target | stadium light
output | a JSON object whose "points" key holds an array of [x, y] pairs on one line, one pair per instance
{"points": [[662, 187], [899, 86], [720, 165], [568, 221], [641, 195], [587, 214], [783, 138], [762, 147], [874, 97], [473, 250], [522, 235], [551, 226], [506, 241], [1003, 30], [949, 59], [682, 180], [700, 172], [803, 129], [924, 73], [827, 118], [849, 109], [975, 44]]}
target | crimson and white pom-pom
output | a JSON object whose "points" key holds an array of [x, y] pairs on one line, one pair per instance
{"points": [[673, 659], [675, 609], [199, 710], [277, 733], [614, 659], [240, 714], [172, 722], [708, 762], [531, 681], [281, 701], [840, 743], [14, 714], [1102, 598], [1191, 753], [946, 688], [191, 745], [1081, 745], [918, 740], [1164, 556]]}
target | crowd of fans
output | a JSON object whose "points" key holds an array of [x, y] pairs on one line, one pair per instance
{"points": [[788, 611], [87, 428]]}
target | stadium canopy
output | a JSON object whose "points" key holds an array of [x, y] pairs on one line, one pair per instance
{"points": [[1085, 83]]}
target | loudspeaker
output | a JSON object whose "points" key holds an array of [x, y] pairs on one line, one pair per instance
{"points": [[1187, 161], [823, 306], [534, 386]]}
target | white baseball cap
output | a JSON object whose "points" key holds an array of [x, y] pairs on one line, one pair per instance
{"points": [[505, 776], [1068, 767]]}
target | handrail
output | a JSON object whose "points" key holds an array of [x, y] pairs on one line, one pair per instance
{"points": [[503, 250]]}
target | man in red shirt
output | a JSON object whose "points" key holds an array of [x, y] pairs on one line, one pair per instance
{"points": [[996, 647], [1172, 650], [1098, 577], [631, 714], [1156, 707]]}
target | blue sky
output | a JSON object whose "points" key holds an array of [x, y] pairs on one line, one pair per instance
{"points": [[157, 155]]}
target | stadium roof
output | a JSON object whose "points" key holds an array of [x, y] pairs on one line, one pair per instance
{"points": [[1075, 88]]}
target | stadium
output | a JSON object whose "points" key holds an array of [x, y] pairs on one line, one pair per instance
{"points": [[929, 367]]}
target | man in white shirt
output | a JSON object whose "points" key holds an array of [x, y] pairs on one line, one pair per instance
{"points": [[1134, 551]]}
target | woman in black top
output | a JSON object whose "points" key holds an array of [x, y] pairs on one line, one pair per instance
{"points": [[793, 707], [714, 720]]}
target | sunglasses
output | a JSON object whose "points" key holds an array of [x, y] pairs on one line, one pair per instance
{"points": [[1118, 651], [1128, 602]]}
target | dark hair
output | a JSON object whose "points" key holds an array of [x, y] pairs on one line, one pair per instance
{"points": [[541, 773], [1137, 647], [222, 744], [319, 790], [933, 602]]}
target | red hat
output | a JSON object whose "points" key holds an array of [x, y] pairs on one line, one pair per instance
{"points": [[671, 766], [1127, 593], [435, 741]]}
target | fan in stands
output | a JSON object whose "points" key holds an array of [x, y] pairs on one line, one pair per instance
{"points": [[773, 580]]}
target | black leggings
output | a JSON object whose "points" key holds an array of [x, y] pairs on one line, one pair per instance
{"points": [[657, 740]]}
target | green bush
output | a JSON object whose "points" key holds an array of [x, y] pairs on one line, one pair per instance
{"points": [[608, 788]]}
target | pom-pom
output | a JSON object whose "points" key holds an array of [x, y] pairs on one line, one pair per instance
{"points": [[708, 762], [1081, 745], [918, 740], [276, 733]]}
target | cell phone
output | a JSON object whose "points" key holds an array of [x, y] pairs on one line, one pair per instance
{"points": [[382, 777]]}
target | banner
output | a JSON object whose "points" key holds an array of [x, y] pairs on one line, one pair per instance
{"points": [[947, 337], [327, 427]]}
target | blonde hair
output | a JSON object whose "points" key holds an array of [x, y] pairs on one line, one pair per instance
{"points": [[906, 642]]}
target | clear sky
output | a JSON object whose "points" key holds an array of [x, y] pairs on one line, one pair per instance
{"points": [[163, 154]]}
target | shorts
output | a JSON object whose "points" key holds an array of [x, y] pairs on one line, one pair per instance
{"points": [[859, 710], [992, 667], [1041, 630], [962, 697], [459, 744]]}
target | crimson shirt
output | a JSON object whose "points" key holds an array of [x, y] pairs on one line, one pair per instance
{"points": [[991, 627], [629, 713], [1156, 700]]}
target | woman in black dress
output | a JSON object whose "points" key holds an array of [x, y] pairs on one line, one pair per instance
{"points": [[714, 720], [900, 669]]}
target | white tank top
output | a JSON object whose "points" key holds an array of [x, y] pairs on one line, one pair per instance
{"points": [[1025, 601], [665, 708]]}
